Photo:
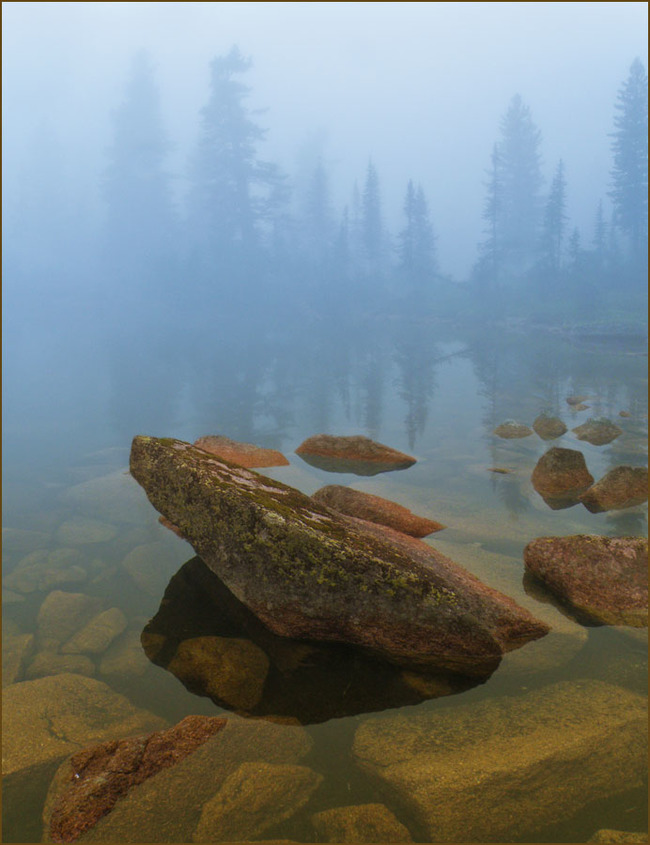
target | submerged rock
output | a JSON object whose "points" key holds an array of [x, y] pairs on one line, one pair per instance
{"points": [[98, 634], [254, 798], [575, 400], [81, 531], [548, 427], [356, 454], [16, 651], [511, 430], [375, 509], [308, 572], [360, 823], [603, 578], [598, 431], [499, 769], [61, 615], [243, 454], [99, 776], [560, 476], [168, 805], [618, 837], [622, 487]]}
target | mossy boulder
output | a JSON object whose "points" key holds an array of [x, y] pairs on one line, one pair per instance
{"points": [[308, 572], [603, 579]]}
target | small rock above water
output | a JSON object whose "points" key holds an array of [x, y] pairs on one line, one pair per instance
{"points": [[575, 400], [243, 454], [622, 487], [549, 427], [605, 579], [598, 431], [511, 430], [375, 509], [355, 454], [308, 572], [560, 475]]}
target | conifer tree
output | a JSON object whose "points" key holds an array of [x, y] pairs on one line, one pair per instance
{"points": [[554, 223], [372, 227], [416, 249], [629, 185]]}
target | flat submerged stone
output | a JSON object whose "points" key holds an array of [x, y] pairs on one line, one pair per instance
{"points": [[308, 572]]}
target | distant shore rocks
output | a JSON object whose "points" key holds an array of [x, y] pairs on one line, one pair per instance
{"points": [[375, 509], [548, 427], [560, 476], [604, 579], [598, 431], [355, 454], [622, 487], [511, 429], [243, 454]]}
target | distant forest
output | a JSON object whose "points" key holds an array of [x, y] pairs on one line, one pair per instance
{"points": [[248, 241]]}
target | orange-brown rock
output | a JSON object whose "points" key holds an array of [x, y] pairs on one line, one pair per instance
{"points": [[622, 487], [356, 454], [244, 454], [575, 400], [548, 428], [561, 474], [375, 509], [604, 579]]}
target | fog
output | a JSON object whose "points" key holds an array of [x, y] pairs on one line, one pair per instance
{"points": [[106, 256]]}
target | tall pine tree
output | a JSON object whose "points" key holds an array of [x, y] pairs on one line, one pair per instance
{"points": [[554, 224], [416, 249], [629, 186]]}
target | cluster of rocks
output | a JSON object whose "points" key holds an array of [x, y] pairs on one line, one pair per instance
{"points": [[562, 479], [597, 430]]}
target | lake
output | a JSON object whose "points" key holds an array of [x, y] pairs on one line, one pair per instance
{"points": [[74, 522]]}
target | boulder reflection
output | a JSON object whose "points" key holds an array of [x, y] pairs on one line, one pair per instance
{"points": [[219, 649]]}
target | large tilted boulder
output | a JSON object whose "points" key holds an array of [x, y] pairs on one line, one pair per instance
{"points": [[604, 579], [308, 572]]}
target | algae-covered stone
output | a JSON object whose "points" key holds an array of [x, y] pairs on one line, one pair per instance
{"points": [[618, 837], [125, 657], [602, 578], [98, 634], [308, 572], [359, 823], [254, 798], [227, 669], [498, 770]]}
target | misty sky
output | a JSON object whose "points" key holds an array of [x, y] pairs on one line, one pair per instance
{"points": [[419, 87]]}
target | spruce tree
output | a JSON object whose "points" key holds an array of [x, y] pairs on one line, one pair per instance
{"points": [[416, 248], [629, 185], [372, 227], [554, 224]]}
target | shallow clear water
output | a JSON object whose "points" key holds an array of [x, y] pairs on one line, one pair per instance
{"points": [[432, 391]]}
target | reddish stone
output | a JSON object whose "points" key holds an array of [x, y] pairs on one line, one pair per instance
{"points": [[101, 775], [561, 473], [603, 578], [244, 454], [548, 428], [333, 453], [597, 431], [375, 509]]}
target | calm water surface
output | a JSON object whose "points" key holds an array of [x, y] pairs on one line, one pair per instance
{"points": [[435, 392]]}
